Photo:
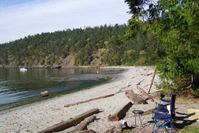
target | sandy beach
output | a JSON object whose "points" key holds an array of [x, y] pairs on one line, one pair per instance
{"points": [[38, 116]]}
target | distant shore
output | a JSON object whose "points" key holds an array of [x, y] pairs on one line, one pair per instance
{"points": [[38, 116], [75, 66]]}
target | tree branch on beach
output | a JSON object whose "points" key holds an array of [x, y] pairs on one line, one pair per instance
{"points": [[85, 101]]}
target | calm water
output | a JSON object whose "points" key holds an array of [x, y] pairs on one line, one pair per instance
{"points": [[18, 88]]}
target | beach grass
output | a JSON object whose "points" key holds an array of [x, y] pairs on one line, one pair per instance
{"points": [[190, 129]]}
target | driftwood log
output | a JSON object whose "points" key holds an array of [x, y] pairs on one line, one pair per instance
{"points": [[85, 131], [118, 129], [83, 125], [44, 93], [152, 96], [92, 99], [149, 111], [114, 130], [120, 113], [137, 99], [72, 122]]}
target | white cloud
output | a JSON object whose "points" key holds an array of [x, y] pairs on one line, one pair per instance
{"points": [[35, 17]]}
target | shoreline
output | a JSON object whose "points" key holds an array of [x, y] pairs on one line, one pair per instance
{"points": [[105, 76], [39, 98], [112, 79], [40, 115], [65, 67]]}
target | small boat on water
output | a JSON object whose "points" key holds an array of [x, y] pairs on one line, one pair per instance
{"points": [[23, 69]]}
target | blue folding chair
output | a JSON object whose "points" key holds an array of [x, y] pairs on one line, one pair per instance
{"points": [[164, 115]]}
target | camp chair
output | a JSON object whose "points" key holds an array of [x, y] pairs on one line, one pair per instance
{"points": [[164, 115]]}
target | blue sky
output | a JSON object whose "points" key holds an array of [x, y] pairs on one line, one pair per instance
{"points": [[19, 18], [11, 2]]}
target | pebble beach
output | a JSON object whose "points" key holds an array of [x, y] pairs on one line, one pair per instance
{"points": [[40, 115]]}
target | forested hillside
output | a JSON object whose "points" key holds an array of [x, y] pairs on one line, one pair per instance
{"points": [[104, 45]]}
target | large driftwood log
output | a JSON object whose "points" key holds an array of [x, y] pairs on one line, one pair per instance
{"points": [[92, 99], [149, 111], [119, 128], [72, 122], [151, 96], [155, 96], [83, 125], [114, 130], [85, 131], [120, 113], [137, 99]]}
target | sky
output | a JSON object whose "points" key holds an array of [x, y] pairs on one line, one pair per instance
{"points": [[20, 18]]}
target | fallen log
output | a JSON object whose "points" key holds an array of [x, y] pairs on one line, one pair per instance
{"points": [[83, 125], [151, 96], [155, 95], [119, 128], [150, 111], [114, 130], [44, 94], [69, 123], [137, 99], [92, 99], [120, 113], [85, 131]]}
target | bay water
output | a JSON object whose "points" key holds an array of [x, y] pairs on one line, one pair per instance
{"points": [[19, 88]]}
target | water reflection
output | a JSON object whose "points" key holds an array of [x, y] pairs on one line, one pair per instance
{"points": [[16, 86]]}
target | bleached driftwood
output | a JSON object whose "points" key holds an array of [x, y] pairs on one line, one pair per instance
{"points": [[69, 123], [151, 96], [149, 111], [44, 93], [137, 99], [85, 131], [120, 113], [119, 128], [83, 125], [92, 99], [114, 130]]}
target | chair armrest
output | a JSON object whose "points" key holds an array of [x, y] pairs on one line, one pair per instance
{"points": [[164, 100]]}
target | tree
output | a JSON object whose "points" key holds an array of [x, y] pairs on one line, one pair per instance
{"points": [[176, 24]]}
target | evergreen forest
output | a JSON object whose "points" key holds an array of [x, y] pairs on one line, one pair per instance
{"points": [[103, 45]]}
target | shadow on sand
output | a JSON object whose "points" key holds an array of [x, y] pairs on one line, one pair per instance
{"points": [[182, 120]]}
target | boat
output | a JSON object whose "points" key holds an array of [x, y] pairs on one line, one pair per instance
{"points": [[23, 69]]}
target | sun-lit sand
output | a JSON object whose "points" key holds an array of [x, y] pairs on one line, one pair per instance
{"points": [[38, 116]]}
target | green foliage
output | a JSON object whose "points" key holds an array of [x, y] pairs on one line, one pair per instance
{"points": [[48, 49], [190, 129], [175, 24]]}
